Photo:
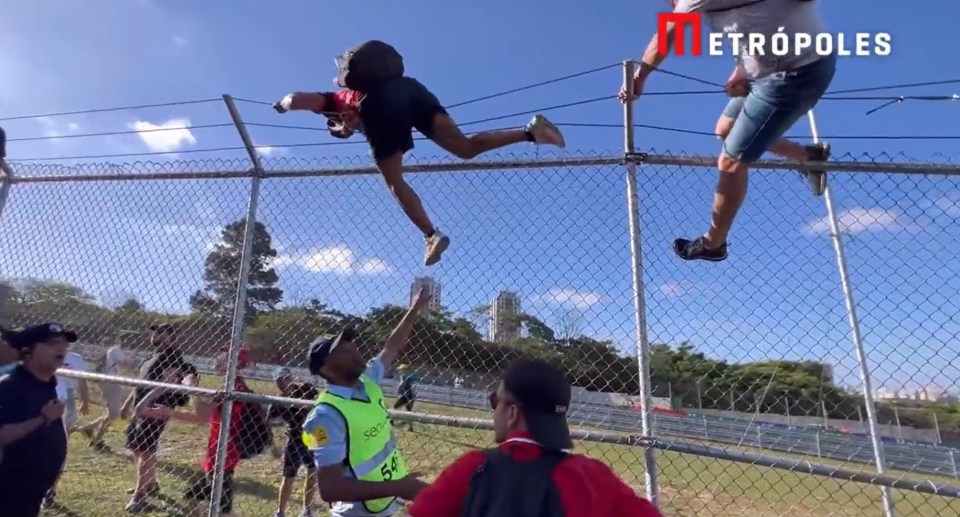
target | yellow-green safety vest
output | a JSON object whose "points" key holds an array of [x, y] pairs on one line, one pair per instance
{"points": [[372, 453]]}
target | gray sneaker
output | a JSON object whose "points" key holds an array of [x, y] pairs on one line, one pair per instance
{"points": [[137, 505], [545, 132], [436, 244], [819, 152]]}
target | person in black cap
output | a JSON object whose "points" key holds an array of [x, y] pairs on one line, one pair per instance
{"points": [[32, 433], [360, 470], [533, 471], [143, 433]]}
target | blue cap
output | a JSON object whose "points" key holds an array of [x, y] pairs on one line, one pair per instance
{"points": [[323, 345]]}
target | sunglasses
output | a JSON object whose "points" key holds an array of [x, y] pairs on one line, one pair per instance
{"points": [[495, 400]]}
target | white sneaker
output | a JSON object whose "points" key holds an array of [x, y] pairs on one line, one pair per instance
{"points": [[436, 245], [545, 132]]}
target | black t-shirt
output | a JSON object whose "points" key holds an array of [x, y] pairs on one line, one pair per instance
{"points": [[152, 370], [294, 416], [35, 460]]}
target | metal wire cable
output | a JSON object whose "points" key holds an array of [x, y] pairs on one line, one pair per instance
{"points": [[711, 134], [117, 133], [103, 110], [534, 85]]}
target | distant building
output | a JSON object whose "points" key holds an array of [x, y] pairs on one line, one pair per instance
{"points": [[504, 324], [432, 287]]}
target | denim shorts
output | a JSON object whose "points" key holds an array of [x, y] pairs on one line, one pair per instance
{"points": [[774, 104]]}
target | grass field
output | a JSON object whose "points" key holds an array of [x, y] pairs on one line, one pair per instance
{"points": [[95, 483]]}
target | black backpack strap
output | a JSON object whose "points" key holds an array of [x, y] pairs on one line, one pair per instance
{"points": [[504, 487]]}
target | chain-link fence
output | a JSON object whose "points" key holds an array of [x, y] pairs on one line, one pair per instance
{"points": [[750, 381]]}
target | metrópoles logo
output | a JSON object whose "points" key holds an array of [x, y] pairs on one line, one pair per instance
{"points": [[779, 44]]}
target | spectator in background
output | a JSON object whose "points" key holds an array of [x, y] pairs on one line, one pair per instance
{"points": [[4, 167], [143, 432], [533, 472], [67, 390], [32, 433], [208, 412], [295, 454], [108, 364], [407, 390]]}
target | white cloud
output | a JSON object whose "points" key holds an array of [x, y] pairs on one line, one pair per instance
{"points": [[268, 151], [671, 290], [339, 260], [950, 204], [52, 128], [572, 297], [169, 136], [179, 40], [859, 220]]}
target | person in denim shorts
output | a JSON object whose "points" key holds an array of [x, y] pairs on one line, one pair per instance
{"points": [[768, 93]]}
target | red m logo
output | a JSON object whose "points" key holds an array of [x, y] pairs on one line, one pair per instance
{"points": [[679, 20]]}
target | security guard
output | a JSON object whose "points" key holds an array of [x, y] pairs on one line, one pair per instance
{"points": [[31, 419], [360, 470]]}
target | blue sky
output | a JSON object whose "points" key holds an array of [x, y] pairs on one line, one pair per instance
{"points": [[557, 236]]}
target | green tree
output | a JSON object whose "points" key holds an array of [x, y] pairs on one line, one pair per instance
{"points": [[222, 269], [130, 306]]}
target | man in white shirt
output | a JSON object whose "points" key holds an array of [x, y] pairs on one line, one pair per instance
{"points": [[769, 93], [112, 394]]}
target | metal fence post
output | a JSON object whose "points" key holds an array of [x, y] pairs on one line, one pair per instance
{"points": [[239, 310], [855, 335], [639, 304]]}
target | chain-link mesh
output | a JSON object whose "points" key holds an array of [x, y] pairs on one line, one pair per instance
{"points": [[749, 356]]}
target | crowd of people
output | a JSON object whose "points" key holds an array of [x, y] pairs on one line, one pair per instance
{"points": [[345, 443]]}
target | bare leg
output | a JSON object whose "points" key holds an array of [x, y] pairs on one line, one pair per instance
{"points": [[447, 135], [309, 489], [731, 192], [392, 170], [286, 488]]}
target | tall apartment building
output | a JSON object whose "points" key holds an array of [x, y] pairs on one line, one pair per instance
{"points": [[432, 288], [504, 325]]}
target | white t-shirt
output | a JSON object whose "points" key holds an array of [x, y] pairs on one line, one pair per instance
{"points": [[65, 385], [768, 18], [112, 360]]}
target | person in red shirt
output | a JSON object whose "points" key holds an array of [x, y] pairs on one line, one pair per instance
{"points": [[208, 411], [533, 471], [387, 113]]}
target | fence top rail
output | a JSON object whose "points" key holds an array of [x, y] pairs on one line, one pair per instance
{"points": [[305, 168]]}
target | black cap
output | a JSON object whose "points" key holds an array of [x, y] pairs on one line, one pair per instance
{"points": [[543, 394], [323, 345], [163, 327], [31, 336]]}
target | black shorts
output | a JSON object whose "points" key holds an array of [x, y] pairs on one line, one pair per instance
{"points": [[3, 143], [143, 434], [296, 455], [392, 110], [406, 399], [202, 490]]}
